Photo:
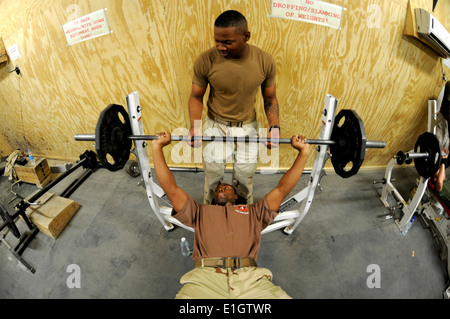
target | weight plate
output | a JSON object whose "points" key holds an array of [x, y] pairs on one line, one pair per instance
{"points": [[90, 158], [111, 137], [401, 157], [349, 150], [428, 166], [10, 222], [132, 168]]}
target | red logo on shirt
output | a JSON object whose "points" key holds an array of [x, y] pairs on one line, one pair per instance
{"points": [[242, 209]]}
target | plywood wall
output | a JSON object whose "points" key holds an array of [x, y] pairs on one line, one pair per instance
{"points": [[369, 65]]}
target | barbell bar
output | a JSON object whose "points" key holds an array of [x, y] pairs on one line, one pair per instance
{"points": [[113, 140], [234, 139], [403, 157]]}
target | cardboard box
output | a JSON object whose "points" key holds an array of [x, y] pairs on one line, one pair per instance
{"points": [[3, 57], [53, 213], [38, 173]]}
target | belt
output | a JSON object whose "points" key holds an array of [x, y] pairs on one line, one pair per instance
{"points": [[229, 262], [231, 123]]}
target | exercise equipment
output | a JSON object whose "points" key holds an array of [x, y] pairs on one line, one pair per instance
{"points": [[427, 156], [113, 139], [427, 161], [88, 161], [132, 168], [8, 221], [116, 128], [434, 216]]}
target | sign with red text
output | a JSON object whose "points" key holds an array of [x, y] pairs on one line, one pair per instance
{"points": [[312, 11], [87, 27]]}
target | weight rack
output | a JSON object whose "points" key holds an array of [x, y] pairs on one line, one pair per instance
{"points": [[431, 215], [407, 208]]}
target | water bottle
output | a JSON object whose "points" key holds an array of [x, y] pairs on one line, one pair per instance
{"points": [[408, 226], [185, 247], [30, 156]]}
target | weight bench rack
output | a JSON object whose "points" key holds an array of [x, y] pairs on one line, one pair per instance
{"points": [[287, 219], [408, 208], [430, 212]]}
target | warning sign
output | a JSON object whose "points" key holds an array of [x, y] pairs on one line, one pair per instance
{"points": [[87, 27], [317, 12]]}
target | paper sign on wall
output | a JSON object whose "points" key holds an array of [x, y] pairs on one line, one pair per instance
{"points": [[14, 52], [87, 27], [317, 12]]}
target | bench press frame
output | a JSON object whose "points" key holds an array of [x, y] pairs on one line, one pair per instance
{"points": [[408, 208], [287, 219], [432, 214]]}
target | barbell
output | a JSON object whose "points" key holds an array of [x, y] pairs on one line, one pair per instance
{"points": [[113, 139], [427, 155]]}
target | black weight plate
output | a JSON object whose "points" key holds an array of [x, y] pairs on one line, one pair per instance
{"points": [[90, 158], [111, 137], [10, 223], [347, 154], [428, 143]]}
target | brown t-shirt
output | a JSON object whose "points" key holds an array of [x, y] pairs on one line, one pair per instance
{"points": [[226, 231], [234, 83]]}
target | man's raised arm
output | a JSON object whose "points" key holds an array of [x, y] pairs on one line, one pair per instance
{"points": [[292, 176], [177, 196]]}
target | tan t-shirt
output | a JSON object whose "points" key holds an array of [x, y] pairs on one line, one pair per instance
{"points": [[226, 231], [234, 83]]}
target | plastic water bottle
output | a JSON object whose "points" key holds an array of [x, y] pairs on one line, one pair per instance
{"points": [[30, 156], [185, 250], [408, 226]]}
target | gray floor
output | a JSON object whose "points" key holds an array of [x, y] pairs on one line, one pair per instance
{"points": [[123, 251]]}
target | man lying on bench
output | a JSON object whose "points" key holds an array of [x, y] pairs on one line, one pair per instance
{"points": [[227, 236]]}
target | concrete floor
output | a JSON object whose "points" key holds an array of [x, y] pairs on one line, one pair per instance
{"points": [[122, 250]]}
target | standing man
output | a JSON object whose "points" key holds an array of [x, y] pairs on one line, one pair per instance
{"points": [[234, 71], [227, 236]]}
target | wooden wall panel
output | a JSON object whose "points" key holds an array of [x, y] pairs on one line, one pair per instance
{"points": [[369, 65]]}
